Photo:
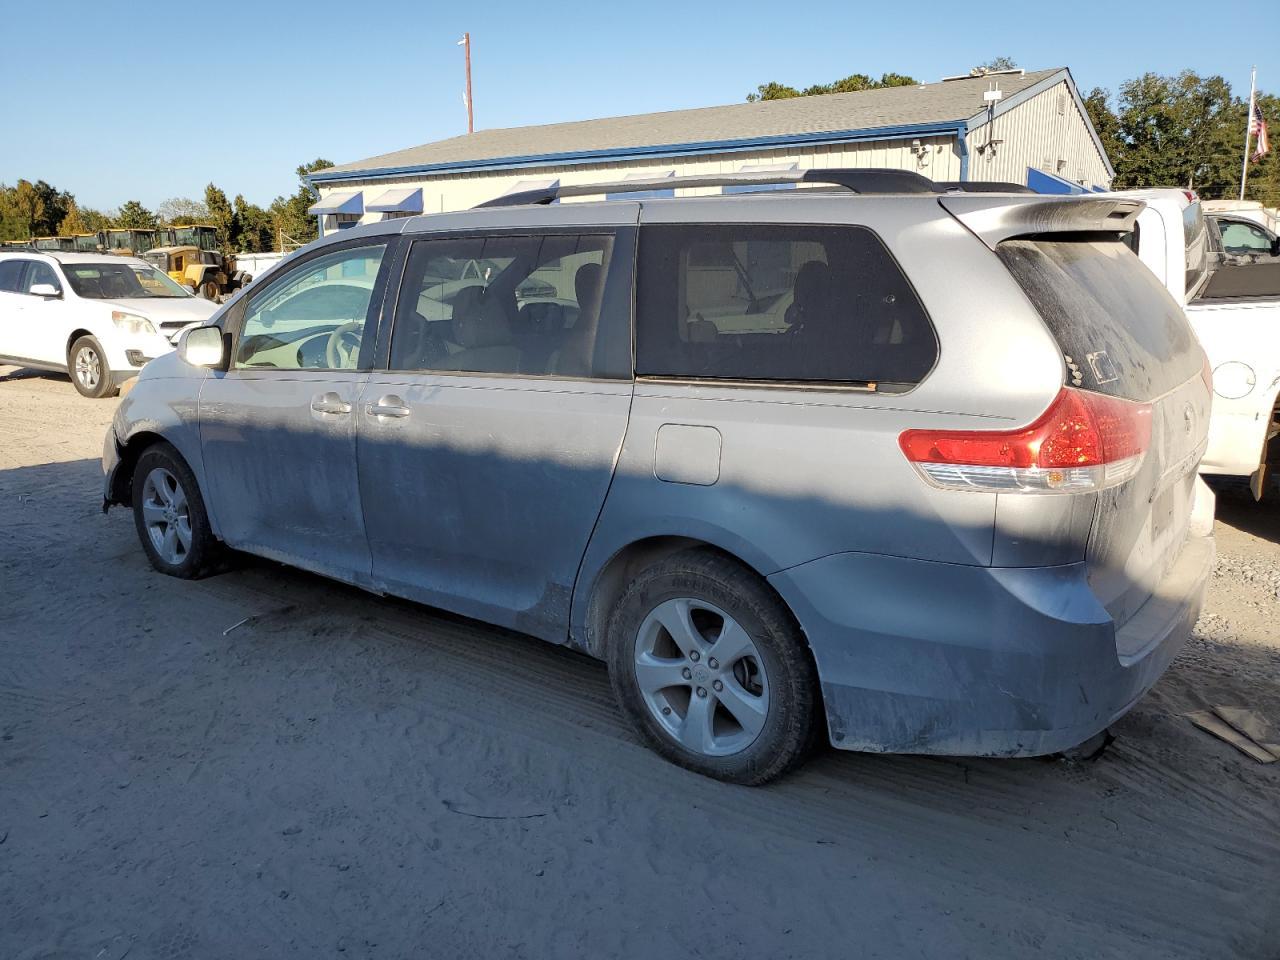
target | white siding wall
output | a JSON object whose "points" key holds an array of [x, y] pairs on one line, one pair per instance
{"points": [[1039, 133], [939, 160]]}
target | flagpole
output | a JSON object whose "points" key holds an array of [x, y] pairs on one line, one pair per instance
{"points": [[1248, 127]]}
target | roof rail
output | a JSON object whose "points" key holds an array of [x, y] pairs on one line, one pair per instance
{"points": [[982, 186], [856, 181]]}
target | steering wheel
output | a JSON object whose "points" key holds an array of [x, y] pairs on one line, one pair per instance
{"points": [[343, 346]]}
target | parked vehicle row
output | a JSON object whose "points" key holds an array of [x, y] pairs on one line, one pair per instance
{"points": [[909, 468], [98, 318], [1233, 304]]}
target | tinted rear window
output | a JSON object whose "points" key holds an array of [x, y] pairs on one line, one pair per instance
{"points": [[1108, 312], [778, 303]]}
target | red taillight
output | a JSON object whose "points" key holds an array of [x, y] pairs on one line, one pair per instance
{"points": [[1190, 195], [1084, 441], [1206, 373]]}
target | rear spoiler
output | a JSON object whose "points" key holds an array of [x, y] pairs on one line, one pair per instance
{"points": [[993, 219]]}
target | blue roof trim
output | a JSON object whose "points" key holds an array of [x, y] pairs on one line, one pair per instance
{"points": [[621, 154]]}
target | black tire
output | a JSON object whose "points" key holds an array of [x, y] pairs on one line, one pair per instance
{"points": [[88, 368], [204, 551], [793, 710]]}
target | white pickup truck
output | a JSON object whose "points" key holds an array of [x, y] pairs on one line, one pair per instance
{"points": [[1234, 308]]}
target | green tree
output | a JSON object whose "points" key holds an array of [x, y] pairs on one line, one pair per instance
{"points": [[134, 216], [256, 232], [222, 215], [850, 84], [1178, 131], [72, 223], [994, 66], [27, 208], [54, 205], [289, 214], [1098, 106]]}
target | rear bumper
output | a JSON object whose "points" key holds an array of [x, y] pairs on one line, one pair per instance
{"points": [[922, 657]]}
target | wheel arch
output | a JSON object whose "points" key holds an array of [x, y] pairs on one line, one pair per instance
{"points": [[76, 335], [604, 585], [130, 452]]}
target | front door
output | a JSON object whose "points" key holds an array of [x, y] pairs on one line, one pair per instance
{"points": [[45, 319], [487, 449], [278, 429]]}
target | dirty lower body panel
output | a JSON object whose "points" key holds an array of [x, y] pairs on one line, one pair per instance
{"points": [[923, 657]]}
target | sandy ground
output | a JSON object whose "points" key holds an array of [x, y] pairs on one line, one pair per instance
{"points": [[349, 776]]}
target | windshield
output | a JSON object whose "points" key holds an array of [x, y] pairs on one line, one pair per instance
{"points": [[120, 281]]}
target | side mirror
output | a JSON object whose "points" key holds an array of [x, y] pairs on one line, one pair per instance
{"points": [[203, 347], [46, 290]]}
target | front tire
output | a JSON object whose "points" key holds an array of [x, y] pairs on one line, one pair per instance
{"points": [[170, 516], [209, 290], [712, 670], [89, 370]]}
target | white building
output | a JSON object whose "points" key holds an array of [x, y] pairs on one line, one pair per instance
{"points": [[1014, 126]]}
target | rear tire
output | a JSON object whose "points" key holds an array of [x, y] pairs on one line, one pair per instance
{"points": [[748, 719], [90, 373], [170, 517]]}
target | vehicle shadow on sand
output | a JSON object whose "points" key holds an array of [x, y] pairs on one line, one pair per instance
{"points": [[1166, 840]]}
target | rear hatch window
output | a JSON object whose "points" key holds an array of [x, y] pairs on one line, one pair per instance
{"points": [[1125, 335]]}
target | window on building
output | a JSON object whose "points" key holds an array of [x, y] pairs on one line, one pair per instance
{"points": [[778, 303]]}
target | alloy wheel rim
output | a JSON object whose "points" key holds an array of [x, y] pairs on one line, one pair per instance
{"points": [[701, 677], [88, 367], [166, 515]]}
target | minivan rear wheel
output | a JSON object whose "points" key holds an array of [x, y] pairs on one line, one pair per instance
{"points": [[170, 516], [712, 670]]}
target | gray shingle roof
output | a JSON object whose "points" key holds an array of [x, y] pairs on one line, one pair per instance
{"points": [[952, 100]]}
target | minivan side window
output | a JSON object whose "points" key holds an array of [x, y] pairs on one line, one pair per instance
{"points": [[525, 305], [778, 303], [314, 318]]}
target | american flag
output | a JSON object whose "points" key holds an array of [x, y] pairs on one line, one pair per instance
{"points": [[1258, 128]]}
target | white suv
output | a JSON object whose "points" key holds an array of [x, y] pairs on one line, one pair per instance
{"points": [[96, 316]]}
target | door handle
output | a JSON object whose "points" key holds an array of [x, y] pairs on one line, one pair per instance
{"points": [[330, 403], [388, 406]]}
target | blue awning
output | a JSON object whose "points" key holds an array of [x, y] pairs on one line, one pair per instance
{"points": [[645, 194], [398, 200], [351, 201], [1042, 182], [762, 168]]}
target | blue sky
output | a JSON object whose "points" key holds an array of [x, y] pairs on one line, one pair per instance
{"points": [[117, 101]]}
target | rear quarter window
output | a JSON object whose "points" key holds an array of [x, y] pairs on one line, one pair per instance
{"points": [[778, 303], [1108, 313]]}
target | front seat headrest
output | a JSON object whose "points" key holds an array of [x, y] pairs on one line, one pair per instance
{"points": [[479, 321]]}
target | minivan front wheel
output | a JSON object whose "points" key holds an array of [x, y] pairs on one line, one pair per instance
{"points": [[169, 514], [710, 667], [89, 369]]}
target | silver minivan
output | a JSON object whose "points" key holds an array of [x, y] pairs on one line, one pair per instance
{"points": [[910, 467]]}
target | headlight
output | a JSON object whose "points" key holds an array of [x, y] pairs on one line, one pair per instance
{"points": [[131, 322]]}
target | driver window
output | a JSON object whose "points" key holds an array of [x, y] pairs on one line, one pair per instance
{"points": [[1244, 237], [314, 319], [41, 272]]}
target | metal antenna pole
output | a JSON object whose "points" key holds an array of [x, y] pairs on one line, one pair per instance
{"points": [[471, 117]]}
